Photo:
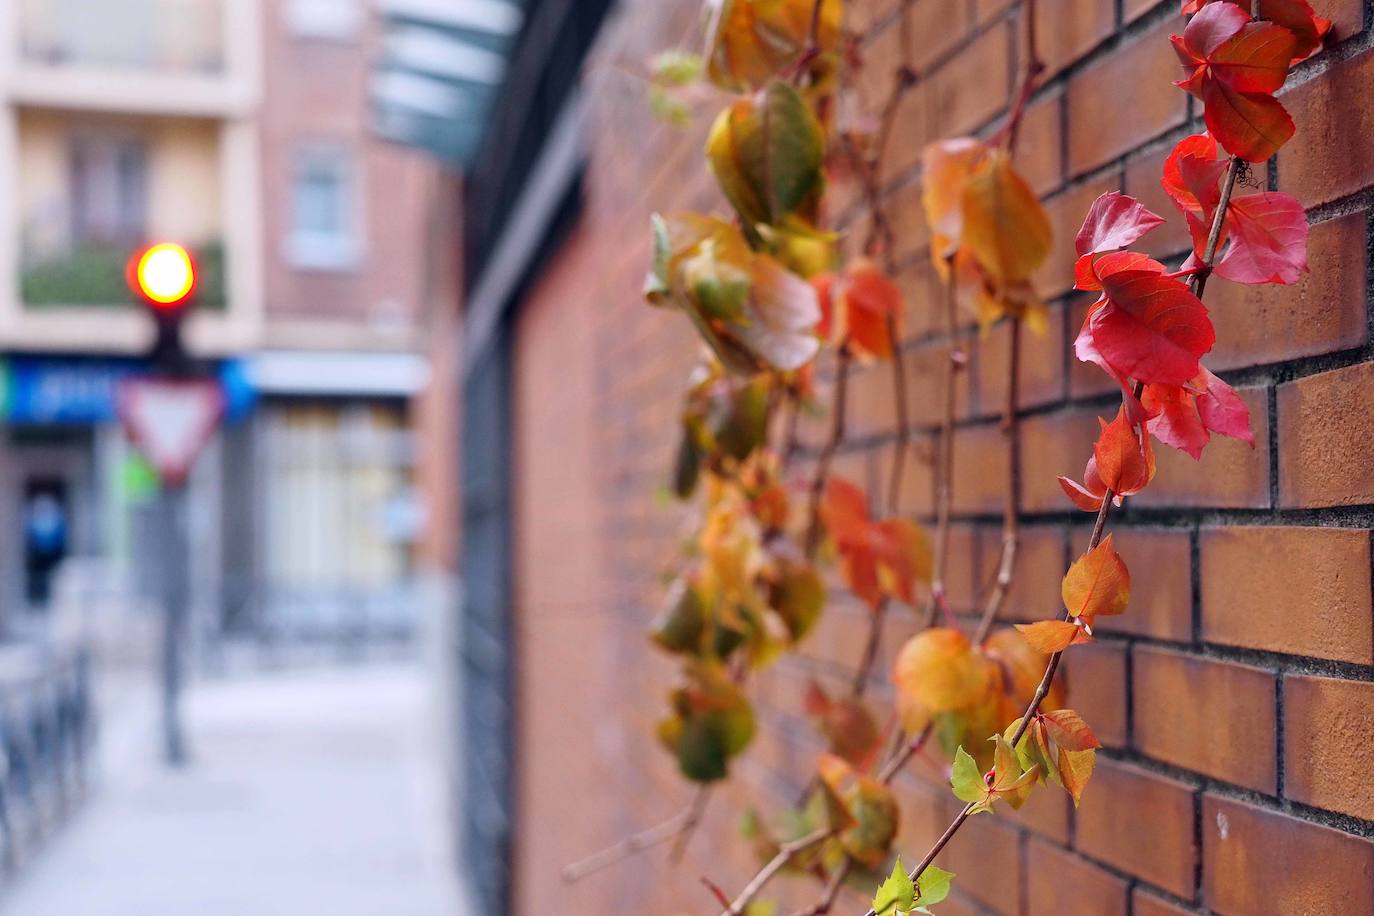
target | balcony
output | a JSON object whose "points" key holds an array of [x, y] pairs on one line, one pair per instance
{"points": [[167, 36], [181, 57]]}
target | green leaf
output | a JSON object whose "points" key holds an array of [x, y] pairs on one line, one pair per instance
{"points": [[676, 66], [933, 887], [966, 780], [798, 597], [897, 894], [766, 152]]}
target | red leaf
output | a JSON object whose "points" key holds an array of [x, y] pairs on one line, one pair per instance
{"points": [[1223, 412], [1177, 423], [1213, 25], [1255, 59], [1152, 328], [1114, 221], [1081, 496], [1268, 239], [1199, 146], [1250, 125], [866, 297]]}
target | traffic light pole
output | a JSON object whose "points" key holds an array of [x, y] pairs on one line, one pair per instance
{"points": [[175, 578]]}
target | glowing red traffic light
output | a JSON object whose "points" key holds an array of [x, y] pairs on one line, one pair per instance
{"points": [[163, 275]]}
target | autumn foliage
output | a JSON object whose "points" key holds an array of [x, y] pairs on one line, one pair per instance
{"points": [[771, 295]]}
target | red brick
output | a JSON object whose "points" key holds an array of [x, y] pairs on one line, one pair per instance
{"points": [[1304, 591], [1141, 823], [1062, 884], [1210, 716], [1040, 144], [1328, 731], [1101, 128], [1161, 583], [1260, 861], [1326, 423], [1321, 313], [1068, 29], [1054, 445], [973, 86], [1330, 155], [981, 463], [1098, 690], [986, 855], [1046, 812], [1036, 575], [1230, 475], [1041, 372], [1134, 8], [1144, 903]]}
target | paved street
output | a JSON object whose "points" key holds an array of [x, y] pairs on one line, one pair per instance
{"points": [[308, 792]]}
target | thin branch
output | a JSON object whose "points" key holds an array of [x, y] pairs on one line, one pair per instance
{"points": [[827, 455], [832, 890], [1006, 567], [778, 862], [630, 846], [944, 461], [695, 809], [875, 633], [716, 890]]}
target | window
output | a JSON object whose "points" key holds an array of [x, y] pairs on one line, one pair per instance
{"points": [[339, 20], [109, 190], [323, 218]]}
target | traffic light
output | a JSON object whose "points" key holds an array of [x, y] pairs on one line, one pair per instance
{"points": [[163, 277]]}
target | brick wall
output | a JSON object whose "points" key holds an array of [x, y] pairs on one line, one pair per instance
{"points": [[1235, 697]]}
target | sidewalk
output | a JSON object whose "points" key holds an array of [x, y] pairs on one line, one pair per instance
{"points": [[308, 792]]}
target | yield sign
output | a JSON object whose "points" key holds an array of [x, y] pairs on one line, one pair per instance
{"points": [[170, 420]]}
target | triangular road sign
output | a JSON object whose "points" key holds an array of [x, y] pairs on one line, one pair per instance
{"points": [[170, 420]]}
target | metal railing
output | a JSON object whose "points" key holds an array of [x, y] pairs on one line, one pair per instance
{"points": [[46, 735]]}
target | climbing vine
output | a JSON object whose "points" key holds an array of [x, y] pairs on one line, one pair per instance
{"points": [[786, 307]]}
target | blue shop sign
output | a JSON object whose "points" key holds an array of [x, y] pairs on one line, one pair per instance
{"points": [[44, 390]]}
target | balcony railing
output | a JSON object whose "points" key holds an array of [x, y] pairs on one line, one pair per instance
{"points": [[182, 36], [95, 275]]}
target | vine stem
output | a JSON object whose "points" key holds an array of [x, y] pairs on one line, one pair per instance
{"points": [[832, 444], [695, 809], [944, 460], [1199, 281], [775, 865], [630, 846]]}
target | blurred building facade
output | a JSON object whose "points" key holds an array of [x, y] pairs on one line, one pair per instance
{"points": [[242, 129]]}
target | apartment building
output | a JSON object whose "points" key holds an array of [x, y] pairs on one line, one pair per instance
{"points": [[240, 128]]}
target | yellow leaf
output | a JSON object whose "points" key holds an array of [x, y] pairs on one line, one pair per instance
{"points": [[946, 167], [751, 41], [1004, 224]]}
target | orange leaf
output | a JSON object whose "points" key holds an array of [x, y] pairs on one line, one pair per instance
{"points": [[1051, 636], [1097, 584], [867, 297], [939, 670], [1005, 225], [844, 511], [1069, 731], [1124, 464]]}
